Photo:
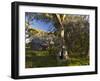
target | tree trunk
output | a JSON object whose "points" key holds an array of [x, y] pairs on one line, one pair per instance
{"points": [[64, 53]]}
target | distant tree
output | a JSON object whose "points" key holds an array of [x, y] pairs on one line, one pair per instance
{"points": [[77, 35]]}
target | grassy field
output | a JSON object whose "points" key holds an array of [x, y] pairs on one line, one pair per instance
{"points": [[44, 59]]}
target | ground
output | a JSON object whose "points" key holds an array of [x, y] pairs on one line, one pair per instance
{"points": [[44, 59]]}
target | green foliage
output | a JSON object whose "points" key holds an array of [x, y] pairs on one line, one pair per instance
{"points": [[77, 37]]}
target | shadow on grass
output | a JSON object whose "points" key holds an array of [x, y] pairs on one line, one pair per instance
{"points": [[38, 59], [51, 61]]}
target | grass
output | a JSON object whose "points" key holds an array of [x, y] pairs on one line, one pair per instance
{"points": [[44, 59]]}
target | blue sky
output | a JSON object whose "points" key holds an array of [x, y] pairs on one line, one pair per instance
{"points": [[41, 25], [38, 24]]}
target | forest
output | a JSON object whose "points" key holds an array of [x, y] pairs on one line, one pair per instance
{"points": [[53, 39]]}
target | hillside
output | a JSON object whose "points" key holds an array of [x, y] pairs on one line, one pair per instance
{"points": [[38, 33]]}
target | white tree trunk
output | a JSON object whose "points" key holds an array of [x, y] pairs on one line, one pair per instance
{"points": [[65, 55]]}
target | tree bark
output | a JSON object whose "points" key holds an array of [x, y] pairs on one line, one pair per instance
{"points": [[63, 47]]}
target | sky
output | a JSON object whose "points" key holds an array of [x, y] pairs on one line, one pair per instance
{"points": [[37, 24], [41, 25]]}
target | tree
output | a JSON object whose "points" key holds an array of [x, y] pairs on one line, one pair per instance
{"points": [[64, 53], [77, 35], [28, 19], [57, 20]]}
